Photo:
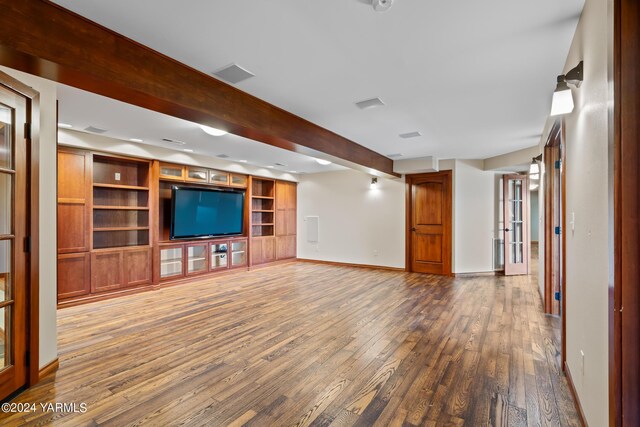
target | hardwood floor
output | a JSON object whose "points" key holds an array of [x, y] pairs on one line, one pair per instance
{"points": [[309, 344]]}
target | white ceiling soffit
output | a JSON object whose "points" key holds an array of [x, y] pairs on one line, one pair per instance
{"points": [[475, 79], [124, 121]]}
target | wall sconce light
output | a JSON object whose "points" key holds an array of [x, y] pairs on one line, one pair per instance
{"points": [[374, 182], [535, 167], [562, 97]]}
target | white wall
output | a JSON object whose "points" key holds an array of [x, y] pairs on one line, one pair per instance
{"points": [[587, 257], [474, 213], [358, 224], [48, 250]]}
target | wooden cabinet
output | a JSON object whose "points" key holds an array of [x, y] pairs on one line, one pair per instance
{"points": [[286, 219], [172, 172], [237, 180], [137, 266], [263, 250], [74, 275], [239, 253], [74, 201], [196, 174], [107, 269], [218, 178], [197, 258], [171, 262]]}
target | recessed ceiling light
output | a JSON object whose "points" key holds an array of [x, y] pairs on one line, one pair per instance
{"points": [[410, 135], [293, 171], [270, 167], [213, 131], [370, 103], [323, 162], [135, 140], [242, 161], [64, 125], [233, 73], [188, 150]]}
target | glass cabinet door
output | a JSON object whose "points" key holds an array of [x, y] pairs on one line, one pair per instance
{"points": [[218, 177], [174, 172], [196, 258], [237, 180], [219, 257], [197, 174], [238, 253], [171, 262]]}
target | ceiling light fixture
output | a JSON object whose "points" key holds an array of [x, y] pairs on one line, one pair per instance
{"points": [[188, 150], [562, 97], [323, 162], [293, 171], [382, 5], [374, 181], [242, 161], [213, 131], [271, 166], [135, 140], [64, 125]]}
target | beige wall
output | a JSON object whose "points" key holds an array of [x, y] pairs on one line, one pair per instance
{"points": [[48, 128], [587, 172]]}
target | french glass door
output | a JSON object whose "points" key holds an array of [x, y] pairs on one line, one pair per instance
{"points": [[516, 220], [13, 221]]}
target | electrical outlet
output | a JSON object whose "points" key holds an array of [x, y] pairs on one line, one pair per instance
{"points": [[117, 176], [582, 362]]}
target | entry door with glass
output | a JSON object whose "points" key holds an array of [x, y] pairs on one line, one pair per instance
{"points": [[516, 221], [13, 217]]}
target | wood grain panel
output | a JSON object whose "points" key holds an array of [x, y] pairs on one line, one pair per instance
{"points": [[74, 201], [428, 248], [41, 38], [286, 219], [74, 275], [285, 247], [311, 344], [428, 203], [107, 270], [137, 267]]}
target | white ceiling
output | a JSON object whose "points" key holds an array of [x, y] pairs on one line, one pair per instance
{"points": [[474, 77], [82, 109]]}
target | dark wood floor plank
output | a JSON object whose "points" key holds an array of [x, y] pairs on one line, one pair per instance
{"points": [[311, 345]]}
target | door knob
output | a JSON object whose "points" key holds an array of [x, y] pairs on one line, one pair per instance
{"points": [[506, 229], [413, 229]]}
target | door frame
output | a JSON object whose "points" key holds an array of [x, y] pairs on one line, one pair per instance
{"points": [[624, 132], [556, 138], [33, 258], [409, 178], [526, 220]]}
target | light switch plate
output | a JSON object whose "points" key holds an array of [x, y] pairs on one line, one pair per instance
{"points": [[117, 176]]}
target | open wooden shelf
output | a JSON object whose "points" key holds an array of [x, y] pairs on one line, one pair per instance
{"points": [[121, 187], [123, 208], [120, 228]]}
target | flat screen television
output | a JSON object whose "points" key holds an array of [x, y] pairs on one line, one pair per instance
{"points": [[198, 212]]}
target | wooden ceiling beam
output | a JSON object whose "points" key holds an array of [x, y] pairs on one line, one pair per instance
{"points": [[44, 39]]}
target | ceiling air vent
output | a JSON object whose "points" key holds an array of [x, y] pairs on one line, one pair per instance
{"points": [[370, 103], [94, 129], [233, 74], [223, 156], [410, 135], [280, 164], [174, 141]]}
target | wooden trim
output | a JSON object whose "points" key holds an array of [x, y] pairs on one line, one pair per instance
{"points": [[574, 394], [563, 243], [41, 38], [33, 153], [103, 295], [624, 293], [49, 369], [347, 264]]}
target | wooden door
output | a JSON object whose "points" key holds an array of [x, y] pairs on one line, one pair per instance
{"points": [[13, 232], [516, 221], [74, 198], [553, 224], [429, 220], [286, 202]]}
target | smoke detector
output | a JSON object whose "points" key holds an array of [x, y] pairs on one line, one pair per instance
{"points": [[382, 5]]}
